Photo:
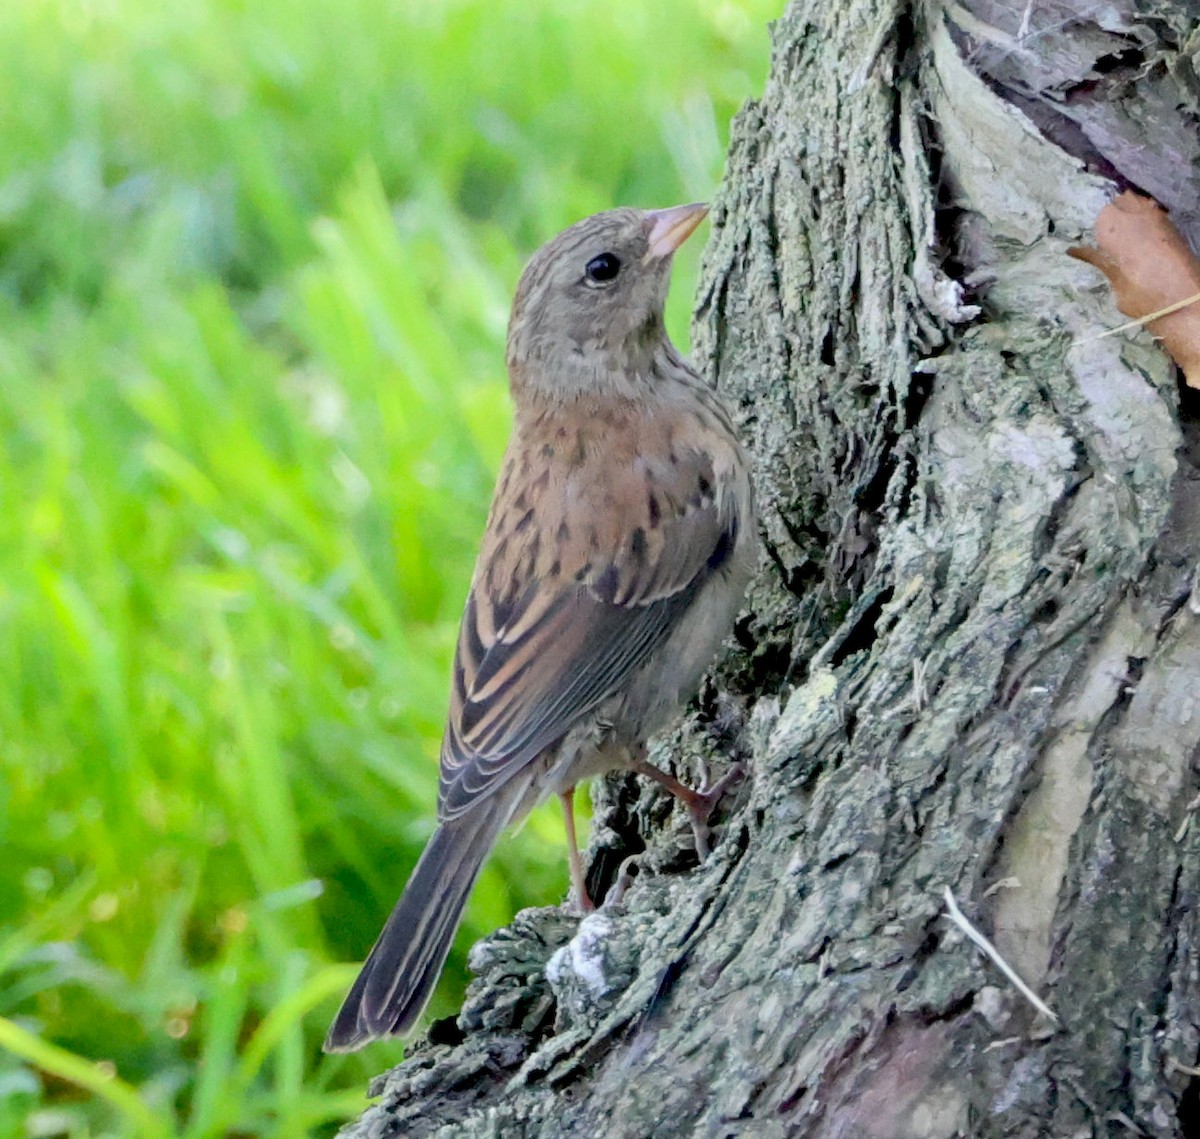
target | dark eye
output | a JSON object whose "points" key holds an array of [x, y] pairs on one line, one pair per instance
{"points": [[600, 270]]}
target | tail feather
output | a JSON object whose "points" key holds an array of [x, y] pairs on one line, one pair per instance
{"points": [[399, 975]]}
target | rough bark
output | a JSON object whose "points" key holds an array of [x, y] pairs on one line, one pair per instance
{"points": [[971, 655]]}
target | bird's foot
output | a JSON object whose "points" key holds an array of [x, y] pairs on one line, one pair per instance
{"points": [[628, 871], [700, 804]]}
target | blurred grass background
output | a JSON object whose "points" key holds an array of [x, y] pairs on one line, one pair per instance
{"points": [[255, 265]]}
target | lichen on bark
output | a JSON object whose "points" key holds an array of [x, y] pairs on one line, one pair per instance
{"points": [[968, 660]]}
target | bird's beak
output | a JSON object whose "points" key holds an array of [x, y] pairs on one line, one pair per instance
{"points": [[667, 230]]}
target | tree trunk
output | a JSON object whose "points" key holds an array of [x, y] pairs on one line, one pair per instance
{"points": [[972, 653]]}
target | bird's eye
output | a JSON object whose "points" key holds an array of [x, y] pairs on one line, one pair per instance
{"points": [[600, 270]]}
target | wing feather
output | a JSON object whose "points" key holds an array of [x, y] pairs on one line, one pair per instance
{"points": [[552, 629]]}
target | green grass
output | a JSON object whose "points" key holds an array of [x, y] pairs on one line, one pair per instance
{"points": [[255, 263]]}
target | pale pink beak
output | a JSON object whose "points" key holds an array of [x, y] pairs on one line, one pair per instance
{"points": [[667, 230]]}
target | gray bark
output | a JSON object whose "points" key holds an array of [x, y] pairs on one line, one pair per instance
{"points": [[971, 655]]}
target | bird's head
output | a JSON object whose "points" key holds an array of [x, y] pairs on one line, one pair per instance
{"points": [[590, 302]]}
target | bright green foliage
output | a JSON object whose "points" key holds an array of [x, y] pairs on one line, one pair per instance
{"points": [[255, 262]]}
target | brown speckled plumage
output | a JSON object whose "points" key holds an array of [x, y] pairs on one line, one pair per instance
{"points": [[616, 551]]}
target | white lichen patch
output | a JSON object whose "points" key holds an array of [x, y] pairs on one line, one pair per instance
{"points": [[583, 958], [590, 972]]}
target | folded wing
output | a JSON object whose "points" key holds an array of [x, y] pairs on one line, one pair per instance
{"points": [[553, 628]]}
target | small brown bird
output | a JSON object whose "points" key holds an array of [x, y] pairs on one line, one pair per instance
{"points": [[617, 550]]}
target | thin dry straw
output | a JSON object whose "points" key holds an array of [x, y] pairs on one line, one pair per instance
{"points": [[1141, 320], [956, 916]]}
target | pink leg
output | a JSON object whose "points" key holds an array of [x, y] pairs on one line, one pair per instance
{"points": [[700, 804], [578, 885]]}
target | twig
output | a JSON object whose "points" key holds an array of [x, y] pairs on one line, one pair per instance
{"points": [[1140, 322], [1124, 1120], [1194, 594], [956, 916], [1188, 811], [1009, 883], [1186, 1069], [920, 694]]}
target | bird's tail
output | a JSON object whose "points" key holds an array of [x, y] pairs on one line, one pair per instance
{"points": [[403, 967]]}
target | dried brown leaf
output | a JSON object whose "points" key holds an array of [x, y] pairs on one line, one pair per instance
{"points": [[1151, 268]]}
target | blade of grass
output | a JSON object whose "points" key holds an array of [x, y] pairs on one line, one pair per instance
{"points": [[84, 1074]]}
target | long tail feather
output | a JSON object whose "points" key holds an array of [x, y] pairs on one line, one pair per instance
{"points": [[403, 967]]}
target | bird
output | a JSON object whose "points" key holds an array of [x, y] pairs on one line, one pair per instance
{"points": [[617, 550]]}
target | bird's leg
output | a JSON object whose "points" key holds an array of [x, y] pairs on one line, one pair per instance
{"points": [[628, 870], [578, 885], [700, 804]]}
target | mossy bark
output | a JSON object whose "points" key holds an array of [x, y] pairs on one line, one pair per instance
{"points": [[971, 657]]}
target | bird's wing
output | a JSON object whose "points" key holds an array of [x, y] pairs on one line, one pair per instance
{"points": [[580, 579]]}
